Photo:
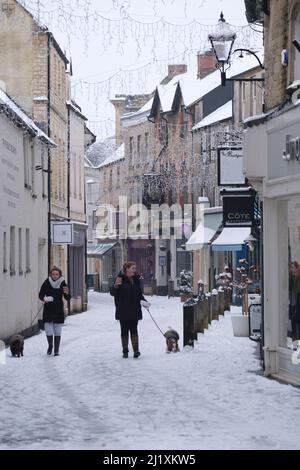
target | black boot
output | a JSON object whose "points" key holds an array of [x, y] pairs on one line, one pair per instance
{"points": [[50, 345], [124, 340], [56, 345], [135, 346]]}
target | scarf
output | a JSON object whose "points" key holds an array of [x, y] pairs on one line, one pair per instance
{"points": [[56, 284]]}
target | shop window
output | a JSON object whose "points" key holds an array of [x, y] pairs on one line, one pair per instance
{"points": [[293, 321]]}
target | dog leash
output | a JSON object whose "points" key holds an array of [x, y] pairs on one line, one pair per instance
{"points": [[154, 321], [36, 315]]}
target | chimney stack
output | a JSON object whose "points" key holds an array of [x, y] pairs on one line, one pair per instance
{"points": [[176, 69], [206, 63], [173, 70]]}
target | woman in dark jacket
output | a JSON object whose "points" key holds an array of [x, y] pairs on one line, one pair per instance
{"points": [[51, 294], [294, 294], [128, 294]]}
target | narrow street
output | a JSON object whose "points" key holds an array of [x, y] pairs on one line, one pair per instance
{"points": [[212, 397]]}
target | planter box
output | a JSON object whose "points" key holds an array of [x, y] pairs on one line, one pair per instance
{"points": [[240, 325]]}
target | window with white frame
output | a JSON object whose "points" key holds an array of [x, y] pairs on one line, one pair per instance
{"points": [[26, 157], [146, 146], [139, 149], [80, 176], [43, 161], [27, 250], [12, 251], [4, 246], [253, 99], [32, 168], [297, 53], [20, 252], [130, 150]]}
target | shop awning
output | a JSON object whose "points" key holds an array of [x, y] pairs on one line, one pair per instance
{"points": [[231, 239], [99, 250], [204, 232]]}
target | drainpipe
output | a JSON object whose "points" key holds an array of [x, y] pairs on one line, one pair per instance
{"points": [[85, 300], [68, 197], [49, 152]]}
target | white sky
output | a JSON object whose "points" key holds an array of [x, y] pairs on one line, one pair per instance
{"points": [[103, 49]]}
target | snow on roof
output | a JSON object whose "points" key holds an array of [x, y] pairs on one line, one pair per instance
{"points": [[26, 120], [166, 95], [192, 88], [137, 117], [116, 156], [220, 114]]}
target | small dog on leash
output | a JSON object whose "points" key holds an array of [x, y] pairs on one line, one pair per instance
{"points": [[172, 338], [16, 345]]}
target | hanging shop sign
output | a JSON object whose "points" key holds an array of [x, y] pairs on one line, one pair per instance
{"points": [[238, 208], [62, 233], [230, 166]]}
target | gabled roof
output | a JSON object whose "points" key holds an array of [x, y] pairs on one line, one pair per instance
{"points": [[194, 89], [138, 117], [18, 115], [116, 156], [219, 115]]}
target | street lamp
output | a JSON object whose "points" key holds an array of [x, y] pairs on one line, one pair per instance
{"points": [[222, 41]]}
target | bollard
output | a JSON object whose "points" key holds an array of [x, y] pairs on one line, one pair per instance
{"points": [[189, 325], [209, 308], [198, 317], [227, 300], [221, 302], [205, 313], [214, 305]]}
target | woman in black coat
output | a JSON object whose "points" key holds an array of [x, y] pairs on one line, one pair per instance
{"points": [[51, 294], [127, 291]]}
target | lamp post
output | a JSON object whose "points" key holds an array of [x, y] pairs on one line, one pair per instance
{"points": [[222, 40]]}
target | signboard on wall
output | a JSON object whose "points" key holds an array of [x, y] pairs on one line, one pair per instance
{"points": [[230, 166], [62, 233]]}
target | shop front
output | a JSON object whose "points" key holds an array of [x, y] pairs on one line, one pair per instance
{"points": [[272, 164]]}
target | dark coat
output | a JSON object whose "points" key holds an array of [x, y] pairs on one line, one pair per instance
{"points": [[127, 298], [53, 311]]}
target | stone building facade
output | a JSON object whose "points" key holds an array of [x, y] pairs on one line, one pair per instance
{"points": [[272, 166], [37, 74], [23, 218]]}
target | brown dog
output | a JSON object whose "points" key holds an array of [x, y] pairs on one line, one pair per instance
{"points": [[172, 338], [16, 345]]}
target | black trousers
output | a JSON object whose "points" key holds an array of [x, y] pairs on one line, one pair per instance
{"points": [[129, 325]]}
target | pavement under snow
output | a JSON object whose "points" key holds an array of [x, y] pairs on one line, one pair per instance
{"points": [[211, 397]]}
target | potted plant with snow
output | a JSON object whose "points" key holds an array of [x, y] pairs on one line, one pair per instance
{"points": [[185, 286], [224, 281], [240, 322]]}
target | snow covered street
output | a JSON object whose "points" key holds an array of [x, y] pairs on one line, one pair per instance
{"points": [[211, 397]]}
